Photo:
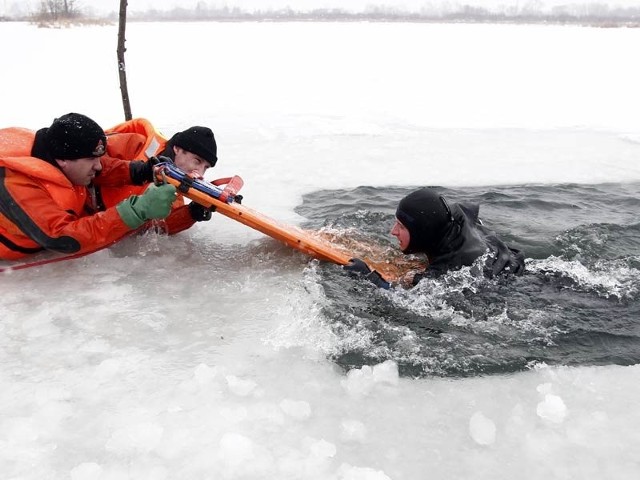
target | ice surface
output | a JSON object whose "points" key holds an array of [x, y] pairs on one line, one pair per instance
{"points": [[239, 386], [552, 408], [482, 429], [361, 381], [353, 430], [87, 471], [295, 409]]}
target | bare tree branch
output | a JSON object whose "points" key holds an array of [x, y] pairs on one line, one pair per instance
{"points": [[122, 71]]}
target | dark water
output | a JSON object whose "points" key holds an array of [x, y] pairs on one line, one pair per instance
{"points": [[578, 303]]}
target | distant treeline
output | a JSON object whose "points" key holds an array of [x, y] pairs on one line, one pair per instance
{"points": [[584, 14], [589, 14]]}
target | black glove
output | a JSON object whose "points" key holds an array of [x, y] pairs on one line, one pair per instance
{"points": [[506, 260], [358, 267], [238, 199], [517, 263], [200, 213], [142, 172]]}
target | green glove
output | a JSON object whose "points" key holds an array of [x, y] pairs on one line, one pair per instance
{"points": [[155, 202]]}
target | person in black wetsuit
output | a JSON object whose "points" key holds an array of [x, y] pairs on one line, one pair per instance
{"points": [[451, 235]]}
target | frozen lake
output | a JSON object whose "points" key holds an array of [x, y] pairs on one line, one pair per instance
{"points": [[208, 355]]}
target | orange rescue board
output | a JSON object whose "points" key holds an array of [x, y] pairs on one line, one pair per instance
{"points": [[292, 236], [327, 246]]}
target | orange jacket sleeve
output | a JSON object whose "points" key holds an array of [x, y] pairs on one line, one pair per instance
{"points": [[179, 219], [40, 218]]}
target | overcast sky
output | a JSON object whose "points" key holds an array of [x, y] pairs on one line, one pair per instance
{"points": [[108, 6], [356, 5]]}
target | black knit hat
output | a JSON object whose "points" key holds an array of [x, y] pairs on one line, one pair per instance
{"points": [[73, 136], [427, 216], [197, 140]]}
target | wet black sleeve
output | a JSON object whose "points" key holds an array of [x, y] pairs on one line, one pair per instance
{"points": [[472, 211]]}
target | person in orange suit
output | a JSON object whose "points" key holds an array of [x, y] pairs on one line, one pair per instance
{"points": [[47, 196], [193, 151]]}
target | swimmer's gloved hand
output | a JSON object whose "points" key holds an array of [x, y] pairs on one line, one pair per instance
{"points": [[358, 267], [506, 260]]}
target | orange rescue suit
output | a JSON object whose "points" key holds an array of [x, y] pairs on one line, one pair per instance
{"points": [[137, 139], [41, 210]]}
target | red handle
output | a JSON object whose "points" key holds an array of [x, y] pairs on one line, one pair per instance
{"points": [[233, 186]]}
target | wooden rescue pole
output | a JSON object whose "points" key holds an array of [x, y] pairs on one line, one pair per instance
{"points": [[122, 71]]}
